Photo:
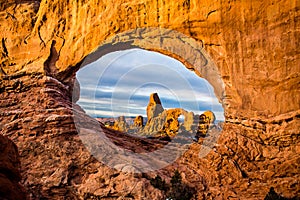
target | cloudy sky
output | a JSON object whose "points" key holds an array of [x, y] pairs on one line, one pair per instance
{"points": [[119, 84]]}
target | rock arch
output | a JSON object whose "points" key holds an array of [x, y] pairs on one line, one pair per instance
{"points": [[171, 43], [253, 43]]}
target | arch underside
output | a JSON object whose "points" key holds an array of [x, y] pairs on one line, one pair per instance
{"points": [[168, 42]]}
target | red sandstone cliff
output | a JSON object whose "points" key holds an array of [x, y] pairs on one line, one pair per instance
{"points": [[254, 49]]}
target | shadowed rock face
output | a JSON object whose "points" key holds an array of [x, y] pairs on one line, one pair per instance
{"points": [[9, 171], [254, 48], [55, 164]]}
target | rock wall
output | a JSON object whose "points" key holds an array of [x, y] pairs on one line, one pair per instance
{"points": [[10, 176], [253, 45], [55, 164], [256, 41]]}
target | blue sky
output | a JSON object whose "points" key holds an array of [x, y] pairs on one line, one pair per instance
{"points": [[120, 83]]}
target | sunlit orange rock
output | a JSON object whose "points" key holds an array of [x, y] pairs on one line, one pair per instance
{"points": [[138, 121], [206, 120], [253, 46], [154, 107]]}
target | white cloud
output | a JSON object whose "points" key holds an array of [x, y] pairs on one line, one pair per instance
{"points": [[124, 80]]}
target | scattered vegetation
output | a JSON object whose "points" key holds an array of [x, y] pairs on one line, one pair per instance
{"points": [[272, 195], [177, 190], [176, 179], [159, 183]]}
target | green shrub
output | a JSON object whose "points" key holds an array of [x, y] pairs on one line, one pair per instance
{"points": [[179, 190], [176, 179], [159, 183]]}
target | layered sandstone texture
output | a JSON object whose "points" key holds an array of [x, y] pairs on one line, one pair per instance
{"points": [[252, 46]]}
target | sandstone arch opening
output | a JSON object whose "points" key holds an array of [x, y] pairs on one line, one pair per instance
{"points": [[116, 89], [117, 149]]}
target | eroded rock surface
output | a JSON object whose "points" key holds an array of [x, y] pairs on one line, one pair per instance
{"points": [[120, 124], [154, 107], [138, 121], [206, 120], [10, 176], [254, 48], [238, 36], [55, 164], [165, 122]]}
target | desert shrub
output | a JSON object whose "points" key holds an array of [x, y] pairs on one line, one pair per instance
{"points": [[176, 179], [159, 183], [179, 190], [272, 195], [176, 190]]}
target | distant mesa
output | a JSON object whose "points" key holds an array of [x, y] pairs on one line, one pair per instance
{"points": [[164, 123]]}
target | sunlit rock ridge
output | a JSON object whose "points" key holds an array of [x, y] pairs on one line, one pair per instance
{"points": [[163, 123]]}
